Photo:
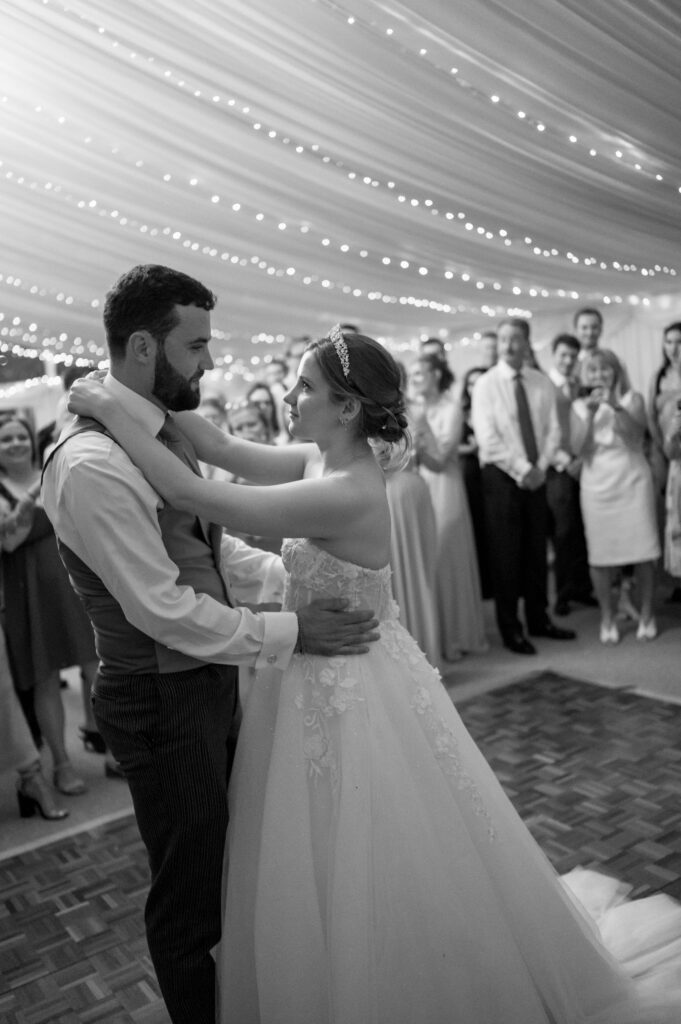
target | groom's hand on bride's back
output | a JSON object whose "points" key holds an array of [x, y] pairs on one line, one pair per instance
{"points": [[326, 627]]}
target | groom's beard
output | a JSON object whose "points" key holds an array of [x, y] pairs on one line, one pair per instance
{"points": [[173, 390]]}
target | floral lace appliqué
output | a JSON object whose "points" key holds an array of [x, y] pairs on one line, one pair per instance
{"points": [[326, 694], [447, 752]]}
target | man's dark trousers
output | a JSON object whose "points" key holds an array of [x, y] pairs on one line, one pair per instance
{"points": [[566, 529], [170, 735], [516, 521]]}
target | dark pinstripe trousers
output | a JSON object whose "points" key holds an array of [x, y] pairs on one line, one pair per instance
{"points": [[170, 734]]}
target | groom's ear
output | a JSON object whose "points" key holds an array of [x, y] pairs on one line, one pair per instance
{"points": [[142, 346]]}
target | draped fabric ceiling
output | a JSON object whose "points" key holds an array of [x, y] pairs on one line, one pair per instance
{"points": [[416, 168]]}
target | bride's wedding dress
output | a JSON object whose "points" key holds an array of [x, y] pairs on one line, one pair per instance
{"points": [[379, 875]]}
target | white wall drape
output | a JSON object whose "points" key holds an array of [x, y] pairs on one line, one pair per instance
{"points": [[413, 167]]}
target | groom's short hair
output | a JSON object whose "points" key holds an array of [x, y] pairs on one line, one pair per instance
{"points": [[144, 299]]}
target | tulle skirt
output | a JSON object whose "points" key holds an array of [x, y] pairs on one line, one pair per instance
{"points": [[376, 873]]}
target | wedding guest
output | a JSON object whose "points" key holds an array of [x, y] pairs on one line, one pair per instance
{"points": [[293, 354], [488, 349], [608, 429], [435, 419], [436, 347], [249, 421], [472, 477], [413, 552], [433, 347], [212, 408], [516, 425], [529, 357], [261, 395], [46, 627], [672, 524], [663, 396], [19, 752], [566, 529], [274, 374], [588, 327], [246, 419]]}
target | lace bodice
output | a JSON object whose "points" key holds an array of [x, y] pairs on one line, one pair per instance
{"points": [[313, 573]]}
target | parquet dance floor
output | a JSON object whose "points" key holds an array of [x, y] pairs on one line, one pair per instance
{"points": [[595, 773]]}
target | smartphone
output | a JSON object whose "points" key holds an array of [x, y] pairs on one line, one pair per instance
{"points": [[587, 389]]}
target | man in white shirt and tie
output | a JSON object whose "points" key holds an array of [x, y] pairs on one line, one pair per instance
{"points": [[516, 425]]}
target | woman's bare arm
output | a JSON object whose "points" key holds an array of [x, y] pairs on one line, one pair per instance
{"points": [[318, 509], [258, 463]]}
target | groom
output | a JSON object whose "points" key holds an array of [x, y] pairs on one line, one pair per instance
{"points": [[160, 587]]}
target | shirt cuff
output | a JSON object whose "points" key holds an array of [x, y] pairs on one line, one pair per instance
{"points": [[279, 640]]}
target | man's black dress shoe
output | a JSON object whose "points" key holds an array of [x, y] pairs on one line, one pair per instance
{"points": [[552, 632], [562, 608], [519, 644], [588, 600]]}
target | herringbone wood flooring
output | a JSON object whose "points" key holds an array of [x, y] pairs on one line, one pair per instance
{"points": [[595, 773]]}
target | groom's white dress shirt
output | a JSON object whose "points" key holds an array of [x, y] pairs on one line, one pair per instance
{"points": [[106, 512]]}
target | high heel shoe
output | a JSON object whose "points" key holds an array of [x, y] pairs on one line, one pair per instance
{"points": [[646, 630], [34, 794], [93, 741], [609, 634], [66, 780]]}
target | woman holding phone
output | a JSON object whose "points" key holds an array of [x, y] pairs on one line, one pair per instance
{"points": [[616, 489]]}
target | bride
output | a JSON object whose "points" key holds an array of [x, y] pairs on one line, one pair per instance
{"points": [[377, 872]]}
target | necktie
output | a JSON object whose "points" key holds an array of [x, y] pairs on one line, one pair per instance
{"points": [[525, 421], [175, 442]]}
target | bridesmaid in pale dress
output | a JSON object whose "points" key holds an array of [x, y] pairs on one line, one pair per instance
{"points": [[436, 422], [413, 554], [472, 478]]}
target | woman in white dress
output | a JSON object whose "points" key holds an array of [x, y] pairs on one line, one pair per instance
{"points": [[377, 872], [616, 489], [436, 421]]}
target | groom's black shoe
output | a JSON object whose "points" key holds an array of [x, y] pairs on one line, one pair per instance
{"points": [[552, 632], [519, 644]]}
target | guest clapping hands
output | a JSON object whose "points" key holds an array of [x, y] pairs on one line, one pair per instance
{"points": [[608, 428]]}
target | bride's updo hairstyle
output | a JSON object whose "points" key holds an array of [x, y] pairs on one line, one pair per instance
{"points": [[356, 366]]}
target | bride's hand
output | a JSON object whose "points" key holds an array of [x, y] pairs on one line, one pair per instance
{"points": [[89, 397]]}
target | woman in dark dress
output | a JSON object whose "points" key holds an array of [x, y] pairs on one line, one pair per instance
{"points": [[46, 627]]}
